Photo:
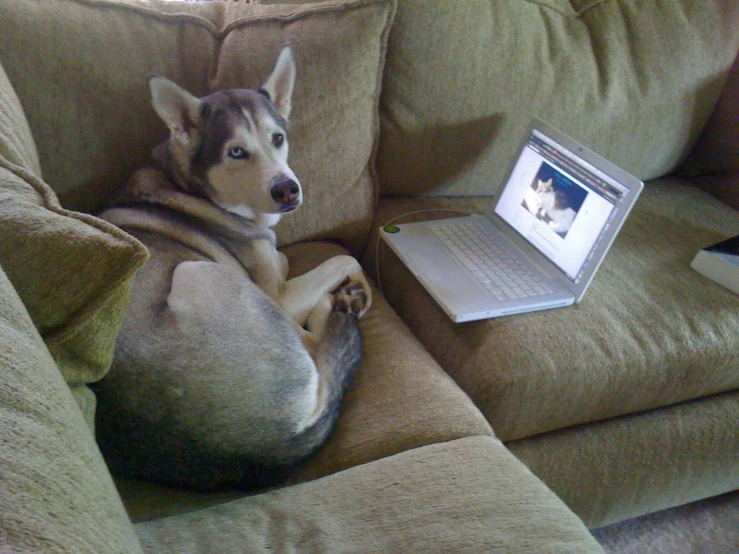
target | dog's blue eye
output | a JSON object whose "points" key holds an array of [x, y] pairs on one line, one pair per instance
{"points": [[238, 153], [278, 139]]}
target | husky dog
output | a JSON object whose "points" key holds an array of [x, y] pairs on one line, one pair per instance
{"points": [[225, 375]]}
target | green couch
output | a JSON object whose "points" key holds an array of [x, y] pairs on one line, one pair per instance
{"points": [[508, 435]]}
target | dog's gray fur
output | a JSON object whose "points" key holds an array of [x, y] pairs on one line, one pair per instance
{"points": [[225, 374]]}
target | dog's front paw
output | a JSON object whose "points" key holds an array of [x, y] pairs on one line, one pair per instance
{"points": [[352, 297]]}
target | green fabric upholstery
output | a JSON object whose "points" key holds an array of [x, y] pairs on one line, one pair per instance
{"points": [[625, 467], [624, 404], [439, 498], [573, 391], [635, 81], [16, 143], [716, 155], [57, 495]]}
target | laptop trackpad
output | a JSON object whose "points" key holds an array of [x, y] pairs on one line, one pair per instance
{"points": [[424, 262]]}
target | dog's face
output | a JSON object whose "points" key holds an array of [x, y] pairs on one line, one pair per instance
{"points": [[243, 154], [235, 141]]}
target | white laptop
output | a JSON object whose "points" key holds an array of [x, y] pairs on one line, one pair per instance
{"points": [[538, 247]]}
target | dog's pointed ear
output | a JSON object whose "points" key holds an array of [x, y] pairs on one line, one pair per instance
{"points": [[179, 109], [280, 84]]}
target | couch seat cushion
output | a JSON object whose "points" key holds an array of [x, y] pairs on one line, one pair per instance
{"points": [[628, 466], [650, 331], [88, 150], [400, 399], [469, 495]]}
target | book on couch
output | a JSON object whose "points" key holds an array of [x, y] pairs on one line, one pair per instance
{"points": [[720, 262]]}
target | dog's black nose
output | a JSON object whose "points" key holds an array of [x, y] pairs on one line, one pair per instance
{"points": [[285, 191]]}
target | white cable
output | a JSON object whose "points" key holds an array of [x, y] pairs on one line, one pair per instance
{"points": [[379, 237]]}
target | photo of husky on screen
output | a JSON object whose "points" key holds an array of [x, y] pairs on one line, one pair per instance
{"points": [[554, 199]]}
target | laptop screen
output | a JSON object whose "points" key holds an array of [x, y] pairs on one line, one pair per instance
{"points": [[559, 203]]}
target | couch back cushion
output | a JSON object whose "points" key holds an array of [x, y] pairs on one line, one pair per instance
{"points": [[635, 81], [80, 68]]}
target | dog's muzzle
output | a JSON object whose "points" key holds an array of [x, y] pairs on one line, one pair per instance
{"points": [[287, 194]]}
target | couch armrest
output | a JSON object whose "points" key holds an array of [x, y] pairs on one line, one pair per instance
{"points": [[467, 495], [16, 143], [57, 494], [724, 186], [714, 160], [717, 148]]}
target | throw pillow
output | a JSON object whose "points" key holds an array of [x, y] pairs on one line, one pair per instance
{"points": [[72, 271]]}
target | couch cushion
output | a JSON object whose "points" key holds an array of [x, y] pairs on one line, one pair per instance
{"points": [[628, 466], [88, 149], [16, 142], [72, 271], [469, 495], [635, 81], [400, 399], [649, 332], [57, 495]]}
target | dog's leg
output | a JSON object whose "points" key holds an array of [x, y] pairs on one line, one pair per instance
{"points": [[312, 291], [309, 299], [324, 329], [312, 300]]}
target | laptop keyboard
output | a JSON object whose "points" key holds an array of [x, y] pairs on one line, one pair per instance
{"points": [[499, 272]]}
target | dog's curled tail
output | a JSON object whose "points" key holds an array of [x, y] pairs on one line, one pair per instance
{"points": [[339, 354]]}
